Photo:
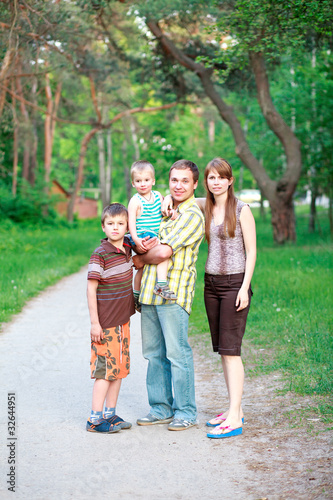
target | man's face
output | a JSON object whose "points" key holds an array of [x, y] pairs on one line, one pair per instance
{"points": [[181, 185]]}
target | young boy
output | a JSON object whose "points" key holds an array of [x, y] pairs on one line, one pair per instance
{"points": [[144, 219], [111, 303]]}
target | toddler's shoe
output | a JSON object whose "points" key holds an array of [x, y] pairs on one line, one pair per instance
{"points": [[165, 292], [137, 304], [102, 425]]}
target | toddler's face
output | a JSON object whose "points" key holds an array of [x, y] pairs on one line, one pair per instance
{"points": [[143, 182]]}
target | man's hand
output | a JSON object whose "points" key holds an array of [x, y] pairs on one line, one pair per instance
{"points": [[138, 262]]}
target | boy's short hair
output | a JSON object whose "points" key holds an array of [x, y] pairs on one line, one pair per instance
{"points": [[140, 166], [183, 165], [113, 210]]}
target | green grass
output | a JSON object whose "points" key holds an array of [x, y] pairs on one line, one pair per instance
{"points": [[291, 317], [32, 259]]}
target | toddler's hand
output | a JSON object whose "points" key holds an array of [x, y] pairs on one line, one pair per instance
{"points": [[149, 242], [167, 205], [139, 244], [174, 214]]}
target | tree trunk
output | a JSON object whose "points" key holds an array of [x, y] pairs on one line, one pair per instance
{"points": [[262, 208], [101, 163], [79, 174], [15, 146], [7, 60], [108, 173], [48, 133], [330, 210], [128, 184], [26, 132], [283, 220], [313, 210]]}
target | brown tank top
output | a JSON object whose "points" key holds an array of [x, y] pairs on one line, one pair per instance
{"points": [[226, 255]]}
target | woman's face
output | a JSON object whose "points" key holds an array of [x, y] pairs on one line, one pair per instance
{"points": [[216, 184]]}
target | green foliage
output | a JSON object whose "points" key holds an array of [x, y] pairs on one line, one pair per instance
{"points": [[291, 319], [32, 206], [32, 259]]}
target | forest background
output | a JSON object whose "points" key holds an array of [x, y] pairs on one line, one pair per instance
{"points": [[87, 87]]}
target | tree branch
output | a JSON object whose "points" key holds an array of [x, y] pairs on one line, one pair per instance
{"points": [[226, 112], [276, 123]]}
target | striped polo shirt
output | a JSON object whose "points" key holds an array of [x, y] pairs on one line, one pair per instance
{"points": [[112, 268], [184, 236], [151, 216]]}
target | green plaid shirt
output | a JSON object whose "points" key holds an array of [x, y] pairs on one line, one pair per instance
{"points": [[184, 236]]}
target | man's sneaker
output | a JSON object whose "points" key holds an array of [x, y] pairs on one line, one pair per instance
{"points": [[102, 425], [115, 420], [151, 420], [179, 424], [137, 304], [165, 292]]}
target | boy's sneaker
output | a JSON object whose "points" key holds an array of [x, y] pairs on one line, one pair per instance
{"points": [[165, 292], [137, 304], [115, 420], [102, 425]]}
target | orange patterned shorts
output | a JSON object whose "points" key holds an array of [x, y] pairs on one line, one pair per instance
{"points": [[110, 359]]}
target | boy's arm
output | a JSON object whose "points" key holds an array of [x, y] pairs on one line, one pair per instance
{"points": [[133, 212], [96, 331]]}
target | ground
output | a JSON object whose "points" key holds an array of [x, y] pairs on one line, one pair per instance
{"points": [[44, 353]]}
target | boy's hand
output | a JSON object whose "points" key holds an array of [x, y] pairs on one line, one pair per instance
{"points": [[96, 333]]}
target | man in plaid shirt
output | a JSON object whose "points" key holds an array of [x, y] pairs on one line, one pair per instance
{"points": [[164, 323]]}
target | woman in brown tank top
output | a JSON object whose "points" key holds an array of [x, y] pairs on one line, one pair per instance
{"points": [[231, 236]]}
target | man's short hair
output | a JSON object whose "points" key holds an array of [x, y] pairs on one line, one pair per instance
{"points": [[113, 210], [183, 165], [140, 166]]}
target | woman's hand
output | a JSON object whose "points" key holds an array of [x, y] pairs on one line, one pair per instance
{"points": [[242, 300]]}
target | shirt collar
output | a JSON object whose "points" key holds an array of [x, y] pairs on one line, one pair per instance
{"points": [[109, 247], [185, 204]]}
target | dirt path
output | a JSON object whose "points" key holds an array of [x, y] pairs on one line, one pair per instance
{"points": [[44, 355]]}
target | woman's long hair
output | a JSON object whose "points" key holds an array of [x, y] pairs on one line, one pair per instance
{"points": [[223, 168]]}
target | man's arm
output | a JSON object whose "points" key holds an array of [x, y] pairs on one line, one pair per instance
{"points": [[154, 256]]}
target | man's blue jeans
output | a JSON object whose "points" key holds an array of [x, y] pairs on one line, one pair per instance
{"points": [[170, 361]]}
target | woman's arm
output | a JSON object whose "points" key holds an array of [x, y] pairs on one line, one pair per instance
{"points": [[249, 235], [201, 202]]}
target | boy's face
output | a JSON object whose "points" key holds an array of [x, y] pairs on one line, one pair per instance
{"points": [[115, 228], [143, 182]]}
